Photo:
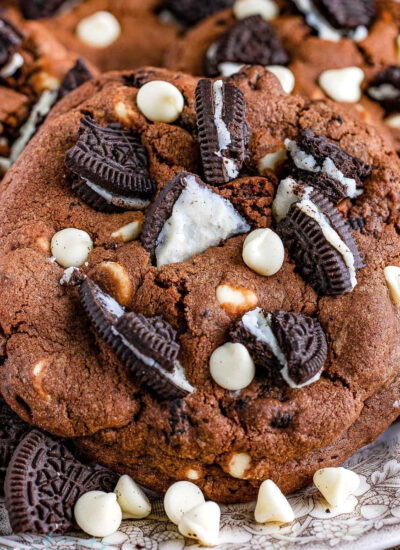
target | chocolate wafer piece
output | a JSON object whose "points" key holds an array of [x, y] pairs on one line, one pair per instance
{"points": [[38, 9], [110, 163], [324, 184], [191, 12], [75, 77], [321, 243], [10, 40], [187, 218], [250, 41], [347, 14], [385, 88], [223, 131], [43, 482]]}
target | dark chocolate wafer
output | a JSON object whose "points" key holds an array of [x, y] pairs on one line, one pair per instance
{"points": [[75, 77], [38, 9], [10, 40], [347, 14], [324, 184], [385, 88], [191, 12]]}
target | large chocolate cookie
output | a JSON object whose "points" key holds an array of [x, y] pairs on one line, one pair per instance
{"points": [[118, 352]]}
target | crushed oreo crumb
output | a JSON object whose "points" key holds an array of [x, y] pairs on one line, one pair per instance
{"points": [[10, 40], [281, 420], [75, 77], [385, 88]]}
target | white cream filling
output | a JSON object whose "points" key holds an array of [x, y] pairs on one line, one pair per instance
{"points": [[109, 304], [310, 209], [177, 377], [289, 191], [200, 218], [307, 162], [259, 326], [12, 66], [67, 275], [384, 91], [118, 200], [325, 30], [224, 137]]}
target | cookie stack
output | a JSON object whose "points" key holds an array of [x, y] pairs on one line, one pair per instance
{"points": [[199, 265]]}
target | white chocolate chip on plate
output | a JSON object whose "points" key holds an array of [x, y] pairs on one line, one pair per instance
{"points": [[239, 464], [336, 484], [272, 505], [98, 514], [202, 523], [268, 9], [160, 101], [284, 75], [71, 247], [342, 84], [99, 30], [132, 500], [231, 366], [181, 497], [392, 276], [128, 232], [271, 160], [263, 252], [236, 300]]}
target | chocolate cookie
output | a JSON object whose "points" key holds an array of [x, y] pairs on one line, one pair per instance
{"points": [[94, 347]]}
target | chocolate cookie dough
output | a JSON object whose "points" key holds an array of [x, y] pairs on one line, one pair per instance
{"points": [[145, 335]]}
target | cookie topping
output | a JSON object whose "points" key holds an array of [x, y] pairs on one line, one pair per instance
{"points": [[223, 132], [99, 30], [289, 342], [75, 77], [10, 40], [251, 41], [268, 9], [38, 9], [43, 482], [386, 88], [320, 241], [191, 12], [110, 167], [160, 101], [263, 252], [232, 367], [186, 219], [342, 84], [71, 247]]}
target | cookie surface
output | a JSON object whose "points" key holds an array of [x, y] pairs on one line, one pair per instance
{"points": [[61, 373]]}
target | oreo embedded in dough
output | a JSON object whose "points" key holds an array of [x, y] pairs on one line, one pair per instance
{"points": [[187, 218], [39, 9], [10, 40], [110, 168], [43, 482], [75, 77], [12, 430], [222, 128], [385, 88], [290, 346], [250, 41], [347, 14], [321, 244], [331, 188], [191, 12]]}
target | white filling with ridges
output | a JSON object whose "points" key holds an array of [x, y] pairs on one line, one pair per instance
{"points": [[12, 66], [200, 218], [289, 191], [259, 326], [307, 162], [224, 137], [118, 200]]}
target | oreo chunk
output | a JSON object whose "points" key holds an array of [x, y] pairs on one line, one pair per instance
{"points": [[146, 346], [321, 243], [250, 41], [385, 88], [12, 430], [187, 218], [110, 168], [331, 188], [347, 14], [43, 482], [191, 12], [223, 132], [10, 40], [290, 346], [38, 9], [75, 77]]}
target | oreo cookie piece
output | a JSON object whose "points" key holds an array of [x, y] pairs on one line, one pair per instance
{"points": [[191, 12], [223, 131], [321, 243], [10, 40], [110, 168], [289, 345], [250, 41], [43, 482], [331, 188], [147, 346], [385, 88], [38, 9], [347, 14], [12, 430], [187, 218], [75, 77]]}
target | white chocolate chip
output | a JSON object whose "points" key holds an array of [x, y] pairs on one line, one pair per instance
{"points": [[272, 505], [98, 514], [99, 30], [132, 500], [342, 84], [392, 276], [231, 366], [263, 252], [181, 497], [160, 101], [238, 465], [336, 484], [71, 247], [284, 75], [236, 300], [121, 287], [191, 473], [43, 243], [246, 8], [393, 120], [128, 232], [202, 523], [271, 160]]}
